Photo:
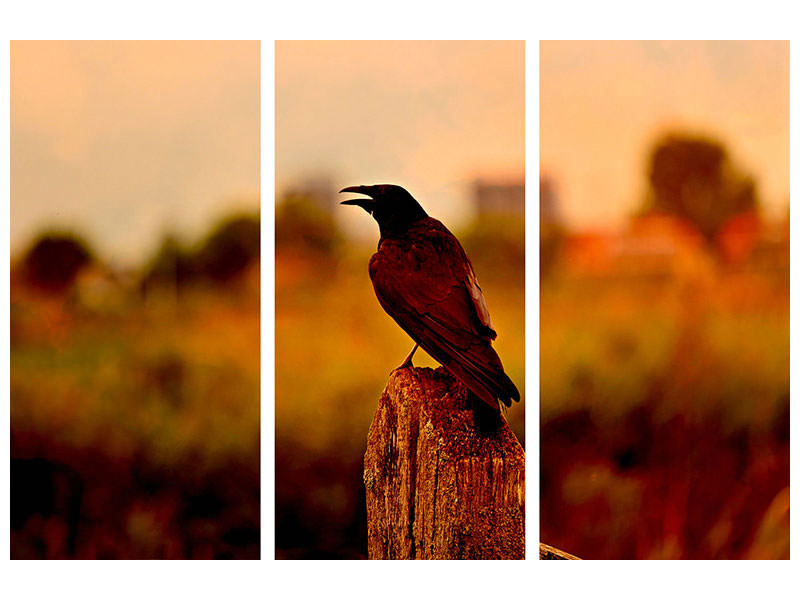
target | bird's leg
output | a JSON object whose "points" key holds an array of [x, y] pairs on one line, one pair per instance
{"points": [[407, 362]]}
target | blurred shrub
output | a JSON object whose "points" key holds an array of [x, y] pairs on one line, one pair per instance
{"points": [[171, 264], [693, 177], [301, 225], [495, 245], [230, 248], [225, 253], [54, 261]]}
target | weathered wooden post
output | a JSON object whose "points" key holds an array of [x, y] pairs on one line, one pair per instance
{"points": [[436, 487], [549, 553]]}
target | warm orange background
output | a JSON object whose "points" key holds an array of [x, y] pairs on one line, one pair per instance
{"points": [[430, 115], [603, 104], [135, 300], [121, 139], [664, 299]]}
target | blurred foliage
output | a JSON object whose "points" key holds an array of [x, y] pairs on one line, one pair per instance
{"points": [[495, 245], [693, 177], [665, 414], [54, 260], [335, 348], [135, 424], [302, 225], [232, 246], [171, 264]]}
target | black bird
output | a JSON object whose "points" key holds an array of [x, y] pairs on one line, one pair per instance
{"points": [[425, 282]]}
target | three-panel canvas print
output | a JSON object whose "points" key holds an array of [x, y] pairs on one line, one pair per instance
{"points": [[425, 341]]}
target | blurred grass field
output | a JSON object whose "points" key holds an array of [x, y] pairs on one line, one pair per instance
{"points": [[152, 379], [664, 415], [618, 337], [135, 414]]}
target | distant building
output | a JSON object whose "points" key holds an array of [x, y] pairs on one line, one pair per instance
{"points": [[499, 197]]}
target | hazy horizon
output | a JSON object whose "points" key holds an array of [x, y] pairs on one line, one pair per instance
{"points": [[124, 141], [431, 116], [604, 103]]}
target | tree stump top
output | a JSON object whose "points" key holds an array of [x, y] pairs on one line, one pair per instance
{"points": [[436, 486], [443, 400]]}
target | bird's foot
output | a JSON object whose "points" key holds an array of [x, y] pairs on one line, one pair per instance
{"points": [[407, 364]]}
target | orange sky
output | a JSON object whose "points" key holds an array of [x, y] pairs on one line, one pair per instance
{"points": [[602, 104], [122, 141], [430, 116]]}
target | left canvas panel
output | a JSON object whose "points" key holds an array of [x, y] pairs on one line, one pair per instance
{"points": [[135, 299]]}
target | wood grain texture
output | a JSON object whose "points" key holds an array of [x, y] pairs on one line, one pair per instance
{"points": [[437, 488]]}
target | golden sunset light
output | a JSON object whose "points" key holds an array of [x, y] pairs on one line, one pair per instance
{"points": [[603, 104], [431, 116], [122, 141]]}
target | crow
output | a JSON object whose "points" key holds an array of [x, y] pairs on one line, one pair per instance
{"points": [[425, 282]]}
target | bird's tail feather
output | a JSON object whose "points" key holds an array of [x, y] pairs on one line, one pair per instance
{"points": [[483, 375], [478, 366], [487, 419]]}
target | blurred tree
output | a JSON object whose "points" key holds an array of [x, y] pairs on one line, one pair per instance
{"points": [[230, 248], [171, 265], [54, 261], [302, 225], [693, 177]]}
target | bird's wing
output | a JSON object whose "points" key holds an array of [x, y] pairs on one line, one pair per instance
{"points": [[431, 278], [426, 284], [478, 301]]}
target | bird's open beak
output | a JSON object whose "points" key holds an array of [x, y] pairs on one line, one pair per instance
{"points": [[356, 189], [368, 204]]}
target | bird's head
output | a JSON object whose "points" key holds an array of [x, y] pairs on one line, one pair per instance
{"points": [[391, 206]]}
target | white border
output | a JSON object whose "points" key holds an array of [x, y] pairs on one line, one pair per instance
{"points": [[268, 300], [532, 299], [5, 426], [413, 19]]}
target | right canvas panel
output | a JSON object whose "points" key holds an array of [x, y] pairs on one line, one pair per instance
{"points": [[664, 303]]}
